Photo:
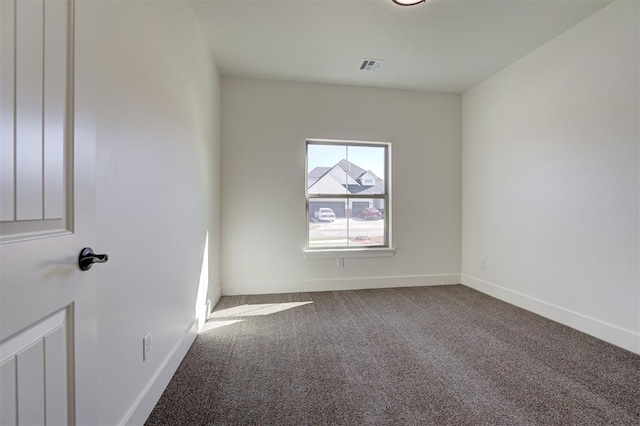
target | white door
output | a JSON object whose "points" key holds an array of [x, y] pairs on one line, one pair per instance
{"points": [[47, 212]]}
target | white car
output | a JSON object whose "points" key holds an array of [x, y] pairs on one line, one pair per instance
{"points": [[324, 213]]}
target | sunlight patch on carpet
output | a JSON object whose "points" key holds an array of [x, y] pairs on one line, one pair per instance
{"points": [[256, 310]]}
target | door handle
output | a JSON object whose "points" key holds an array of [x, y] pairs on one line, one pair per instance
{"points": [[87, 258]]}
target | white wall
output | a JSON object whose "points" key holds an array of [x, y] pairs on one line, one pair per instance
{"points": [[157, 195], [264, 128], [550, 179]]}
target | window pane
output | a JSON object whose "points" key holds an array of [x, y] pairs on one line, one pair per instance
{"points": [[335, 172], [366, 166], [327, 223], [366, 227], [345, 222], [342, 169], [325, 169]]}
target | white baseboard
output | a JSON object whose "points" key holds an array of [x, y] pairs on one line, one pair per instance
{"points": [[335, 284], [613, 334], [150, 395], [214, 299]]}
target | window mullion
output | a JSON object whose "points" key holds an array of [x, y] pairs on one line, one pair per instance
{"points": [[346, 188]]}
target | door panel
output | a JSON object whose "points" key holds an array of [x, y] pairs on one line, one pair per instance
{"points": [[55, 108], [47, 305], [35, 134], [56, 385], [7, 112], [29, 41], [8, 397], [30, 384], [36, 362]]}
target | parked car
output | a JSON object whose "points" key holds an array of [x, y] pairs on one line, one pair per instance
{"points": [[324, 213], [369, 213]]}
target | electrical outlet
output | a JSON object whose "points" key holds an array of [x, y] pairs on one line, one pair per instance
{"points": [[483, 265], [340, 262], [146, 347]]}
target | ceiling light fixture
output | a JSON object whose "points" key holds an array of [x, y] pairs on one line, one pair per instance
{"points": [[408, 2]]}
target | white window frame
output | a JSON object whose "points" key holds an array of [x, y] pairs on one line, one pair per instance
{"points": [[383, 250]]}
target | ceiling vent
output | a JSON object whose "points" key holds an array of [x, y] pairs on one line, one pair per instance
{"points": [[371, 64]]}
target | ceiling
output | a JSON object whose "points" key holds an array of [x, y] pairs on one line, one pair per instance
{"points": [[440, 45]]}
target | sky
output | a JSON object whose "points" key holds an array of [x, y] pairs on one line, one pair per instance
{"points": [[366, 157]]}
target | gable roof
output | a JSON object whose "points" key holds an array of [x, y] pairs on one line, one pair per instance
{"points": [[331, 179], [320, 176], [378, 188], [318, 172], [369, 175], [351, 169]]}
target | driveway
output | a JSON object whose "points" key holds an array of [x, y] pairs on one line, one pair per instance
{"points": [[361, 232]]}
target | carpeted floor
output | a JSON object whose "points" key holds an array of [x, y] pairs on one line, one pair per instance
{"points": [[412, 356]]}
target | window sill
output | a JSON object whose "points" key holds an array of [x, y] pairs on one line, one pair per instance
{"points": [[349, 253]]}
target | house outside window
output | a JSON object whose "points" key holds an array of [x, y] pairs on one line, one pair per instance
{"points": [[347, 194]]}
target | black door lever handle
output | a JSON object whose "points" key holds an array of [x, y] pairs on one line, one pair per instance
{"points": [[87, 258]]}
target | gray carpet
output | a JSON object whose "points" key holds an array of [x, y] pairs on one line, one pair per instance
{"points": [[412, 356]]}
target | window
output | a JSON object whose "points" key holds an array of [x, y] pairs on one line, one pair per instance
{"points": [[347, 195]]}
